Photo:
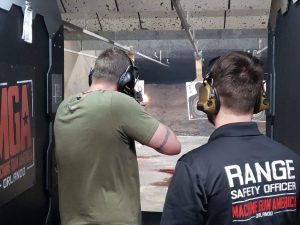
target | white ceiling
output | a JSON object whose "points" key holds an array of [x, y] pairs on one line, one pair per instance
{"points": [[117, 15]]}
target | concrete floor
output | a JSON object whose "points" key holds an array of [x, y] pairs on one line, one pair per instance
{"points": [[168, 103], [156, 171]]}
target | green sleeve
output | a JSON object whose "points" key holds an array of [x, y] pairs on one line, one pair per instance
{"points": [[131, 119]]}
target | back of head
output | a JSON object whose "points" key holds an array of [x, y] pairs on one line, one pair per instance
{"points": [[110, 64], [237, 77]]}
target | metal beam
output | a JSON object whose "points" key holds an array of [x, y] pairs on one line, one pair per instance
{"points": [[170, 34], [185, 25], [80, 53], [123, 47]]}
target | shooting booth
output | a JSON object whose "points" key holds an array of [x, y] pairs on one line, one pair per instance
{"points": [[284, 73], [31, 87]]}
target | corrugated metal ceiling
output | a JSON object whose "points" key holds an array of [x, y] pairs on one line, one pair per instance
{"points": [[117, 15]]}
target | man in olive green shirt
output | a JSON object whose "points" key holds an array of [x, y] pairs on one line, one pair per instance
{"points": [[94, 135]]}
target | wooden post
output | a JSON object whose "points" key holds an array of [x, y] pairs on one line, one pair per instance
{"points": [[131, 55], [198, 64]]}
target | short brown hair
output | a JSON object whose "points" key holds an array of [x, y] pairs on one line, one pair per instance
{"points": [[111, 64], [237, 77]]}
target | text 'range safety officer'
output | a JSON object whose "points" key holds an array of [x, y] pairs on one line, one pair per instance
{"points": [[240, 177]]}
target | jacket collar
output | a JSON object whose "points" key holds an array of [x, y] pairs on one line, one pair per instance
{"points": [[235, 130]]}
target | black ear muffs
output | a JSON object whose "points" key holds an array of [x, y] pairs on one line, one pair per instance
{"points": [[209, 101], [261, 103], [127, 81]]}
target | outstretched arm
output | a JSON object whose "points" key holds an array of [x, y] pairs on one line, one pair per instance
{"points": [[133, 121], [165, 141]]}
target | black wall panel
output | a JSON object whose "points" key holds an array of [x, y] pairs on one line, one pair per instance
{"points": [[31, 207], [284, 61]]}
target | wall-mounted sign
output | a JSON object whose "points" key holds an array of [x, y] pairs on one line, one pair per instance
{"points": [[17, 165]]}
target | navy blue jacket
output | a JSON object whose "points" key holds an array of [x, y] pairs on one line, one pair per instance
{"points": [[239, 177]]}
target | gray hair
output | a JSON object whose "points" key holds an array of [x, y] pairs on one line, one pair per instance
{"points": [[110, 65]]}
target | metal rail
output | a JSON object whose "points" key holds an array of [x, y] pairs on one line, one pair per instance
{"points": [[80, 53], [185, 25], [123, 47]]}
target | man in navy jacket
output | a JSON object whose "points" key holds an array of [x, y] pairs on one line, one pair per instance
{"points": [[240, 176]]}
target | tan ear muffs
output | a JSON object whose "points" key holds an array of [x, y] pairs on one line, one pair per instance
{"points": [[262, 103], [208, 101]]}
